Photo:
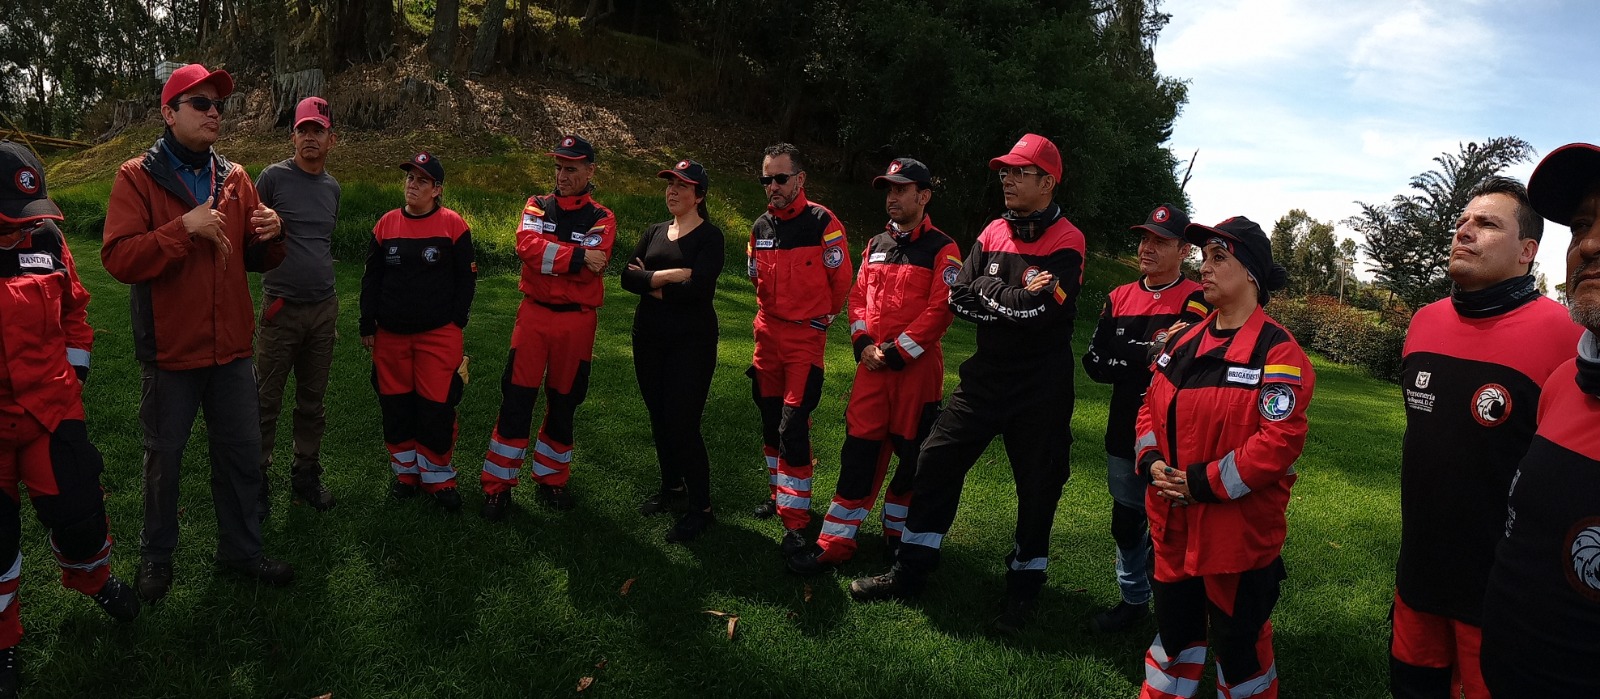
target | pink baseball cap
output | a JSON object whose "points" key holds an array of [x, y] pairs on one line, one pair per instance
{"points": [[313, 109], [193, 75], [1032, 149]]}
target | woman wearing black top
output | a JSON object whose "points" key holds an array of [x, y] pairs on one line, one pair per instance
{"points": [[674, 269]]}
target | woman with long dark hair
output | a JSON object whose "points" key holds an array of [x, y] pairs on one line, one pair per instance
{"points": [[674, 269]]}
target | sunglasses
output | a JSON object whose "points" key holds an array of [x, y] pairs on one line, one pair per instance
{"points": [[1010, 172], [203, 104], [781, 178]]}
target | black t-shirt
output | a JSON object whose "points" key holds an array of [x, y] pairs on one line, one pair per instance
{"points": [[684, 309]]}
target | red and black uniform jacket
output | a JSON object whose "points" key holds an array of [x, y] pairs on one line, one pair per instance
{"points": [[1541, 618], [901, 300], [45, 338], [1133, 326], [420, 273], [190, 308], [1233, 419], [800, 263], [1471, 388], [1017, 327], [556, 235]]}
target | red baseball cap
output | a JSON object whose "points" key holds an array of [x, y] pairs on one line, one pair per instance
{"points": [[191, 76], [1032, 149], [313, 109]]}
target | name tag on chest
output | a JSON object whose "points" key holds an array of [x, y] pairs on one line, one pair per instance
{"points": [[36, 260], [766, 243], [1244, 375], [878, 257]]}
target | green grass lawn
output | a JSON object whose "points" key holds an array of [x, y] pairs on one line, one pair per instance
{"points": [[396, 599]]}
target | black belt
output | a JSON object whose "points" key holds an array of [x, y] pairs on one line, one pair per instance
{"points": [[561, 307]]}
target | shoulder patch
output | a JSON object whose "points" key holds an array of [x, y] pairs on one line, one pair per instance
{"points": [[1276, 402], [833, 256], [1282, 373]]}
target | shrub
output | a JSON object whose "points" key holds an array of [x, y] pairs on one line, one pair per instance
{"points": [[1345, 334]]}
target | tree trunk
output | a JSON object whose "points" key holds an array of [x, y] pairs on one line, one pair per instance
{"points": [[483, 49], [442, 41]]}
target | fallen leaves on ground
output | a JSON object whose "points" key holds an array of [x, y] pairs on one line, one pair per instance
{"points": [[584, 683], [808, 592], [733, 620], [627, 586]]}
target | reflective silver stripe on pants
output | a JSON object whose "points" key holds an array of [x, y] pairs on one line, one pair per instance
{"points": [[802, 485], [1031, 564], [928, 539], [842, 531], [498, 471], [794, 501], [895, 510], [506, 450], [549, 452], [846, 514], [1252, 687]]}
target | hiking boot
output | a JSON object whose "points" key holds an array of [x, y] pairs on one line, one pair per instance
{"points": [[495, 505], [555, 497], [262, 569], [766, 509], [1015, 617], [153, 581], [895, 584], [447, 499], [401, 490], [117, 599], [664, 500], [10, 675], [810, 563], [1120, 617], [794, 541], [690, 526], [309, 489]]}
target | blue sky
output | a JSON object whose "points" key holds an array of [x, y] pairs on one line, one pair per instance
{"points": [[1314, 105]]}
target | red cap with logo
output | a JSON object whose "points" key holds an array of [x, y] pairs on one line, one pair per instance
{"points": [[193, 75], [1032, 149], [313, 109]]}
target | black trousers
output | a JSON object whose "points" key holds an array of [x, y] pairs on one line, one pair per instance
{"points": [[674, 376], [1032, 412]]}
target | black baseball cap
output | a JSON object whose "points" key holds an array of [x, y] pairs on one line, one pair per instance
{"points": [[1245, 240], [689, 171], [904, 171], [1166, 220], [23, 198], [573, 147], [1562, 179], [428, 164]]}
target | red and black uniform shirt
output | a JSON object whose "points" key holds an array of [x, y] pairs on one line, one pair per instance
{"points": [[1016, 327], [420, 273], [800, 262], [44, 328], [1542, 612], [554, 238], [1471, 388], [1133, 326], [900, 301]]}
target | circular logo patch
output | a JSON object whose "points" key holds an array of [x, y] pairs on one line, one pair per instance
{"points": [[1028, 275], [27, 181], [1491, 405], [430, 253], [1161, 336], [894, 167], [1276, 401], [591, 240], [1583, 546], [950, 274], [832, 256], [567, 142], [682, 165], [421, 158], [1161, 215]]}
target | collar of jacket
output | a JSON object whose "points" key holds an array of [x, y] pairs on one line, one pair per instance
{"points": [[793, 209], [159, 166], [1239, 347], [911, 235], [1589, 364], [1496, 299], [574, 202]]}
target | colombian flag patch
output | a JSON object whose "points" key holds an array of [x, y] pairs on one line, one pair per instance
{"points": [[1060, 294], [833, 238], [1281, 373], [952, 259], [1197, 308], [531, 209]]}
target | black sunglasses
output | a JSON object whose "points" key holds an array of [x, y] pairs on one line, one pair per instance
{"points": [[781, 178], [203, 104]]}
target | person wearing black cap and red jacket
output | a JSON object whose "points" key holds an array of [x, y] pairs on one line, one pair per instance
{"points": [[799, 260], [899, 312], [43, 441], [674, 269], [1135, 322], [1220, 471], [1020, 286], [416, 296], [1470, 372], [1541, 609], [183, 227], [564, 241]]}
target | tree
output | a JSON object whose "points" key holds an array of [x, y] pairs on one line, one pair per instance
{"points": [[483, 47], [1408, 239], [1308, 249], [442, 41]]}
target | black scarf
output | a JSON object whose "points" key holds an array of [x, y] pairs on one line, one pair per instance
{"points": [[1496, 299], [1029, 227], [192, 158], [1589, 364]]}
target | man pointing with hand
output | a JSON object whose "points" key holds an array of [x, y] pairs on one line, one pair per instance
{"points": [[183, 226]]}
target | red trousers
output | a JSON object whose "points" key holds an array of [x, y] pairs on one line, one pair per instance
{"points": [[554, 348], [418, 390], [786, 383], [1433, 656], [1233, 611]]}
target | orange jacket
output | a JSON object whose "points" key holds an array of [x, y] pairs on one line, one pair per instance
{"points": [[45, 329], [189, 310]]}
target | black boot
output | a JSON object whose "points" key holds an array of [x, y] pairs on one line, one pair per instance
{"points": [[155, 578], [10, 674], [690, 526], [664, 500], [309, 489], [495, 505], [401, 490], [1119, 618], [895, 584], [766, 509], [118, 600], [447, 499], [555, 497]]}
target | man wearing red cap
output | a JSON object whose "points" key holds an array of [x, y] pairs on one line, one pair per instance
{"points": [[800, 263], [299, 306], [899, 312], [1542, 607], [564, 241], [1471, 372], [183, 227], [43, 443], [1020, 286]]}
